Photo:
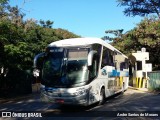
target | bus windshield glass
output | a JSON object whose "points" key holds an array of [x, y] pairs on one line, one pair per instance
{"points": [[65, 67]]}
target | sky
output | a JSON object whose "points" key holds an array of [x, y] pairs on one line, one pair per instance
{"points": [[87, 18]]}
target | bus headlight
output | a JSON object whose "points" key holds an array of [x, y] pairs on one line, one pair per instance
{"points": [[81, 91], [42, 87]]}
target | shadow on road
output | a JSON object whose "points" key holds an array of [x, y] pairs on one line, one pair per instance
{"points": [[129, 101]]}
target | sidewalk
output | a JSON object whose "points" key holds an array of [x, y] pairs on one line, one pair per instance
{"points": [[144, 90], [3, 100], [140, 89], [35, 91]]}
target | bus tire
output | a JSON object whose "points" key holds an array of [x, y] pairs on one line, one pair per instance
{"points": [[102, 97]]}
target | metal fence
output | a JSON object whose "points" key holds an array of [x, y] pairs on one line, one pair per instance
{"points": [[154, 80]]}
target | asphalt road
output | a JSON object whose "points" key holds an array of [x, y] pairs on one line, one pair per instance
{"points": [[133, 104]]}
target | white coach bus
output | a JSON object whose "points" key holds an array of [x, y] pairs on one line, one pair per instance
{"points": [[81, 71]]}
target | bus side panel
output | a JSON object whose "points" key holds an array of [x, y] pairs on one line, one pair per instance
{"points": [[95, 90]]}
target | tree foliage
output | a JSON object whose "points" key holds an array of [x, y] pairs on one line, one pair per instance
{"points": [[140, 7], [116, 33], [21, 40], [46, 24], [145, 34]]}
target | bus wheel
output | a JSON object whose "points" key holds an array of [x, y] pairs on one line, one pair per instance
{"points": [[102, 97]]}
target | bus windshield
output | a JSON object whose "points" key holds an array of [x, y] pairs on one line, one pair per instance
{"points": [[65, 67]]}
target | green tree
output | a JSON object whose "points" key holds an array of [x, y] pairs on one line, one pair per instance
{"points": [[64, 34], [145, 34], [20, 41], [116, 33], [3, 8], [46, 24], [140, 7], [49, 23], [16, 16]]}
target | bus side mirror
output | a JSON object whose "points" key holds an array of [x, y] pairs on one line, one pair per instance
{"points": [[36, 72], [36, 58], [90, 57], [36, 65]]}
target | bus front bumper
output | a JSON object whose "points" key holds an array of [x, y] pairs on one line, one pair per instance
{"points": [[76, 100]]}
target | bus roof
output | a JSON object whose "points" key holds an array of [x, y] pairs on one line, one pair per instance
{"points": [[82, 42]]}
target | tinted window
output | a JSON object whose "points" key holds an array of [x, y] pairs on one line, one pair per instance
{"points": [[107, 57]]}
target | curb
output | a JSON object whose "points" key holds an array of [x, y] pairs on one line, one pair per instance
{"points": [[144, 90], [139, 89]]}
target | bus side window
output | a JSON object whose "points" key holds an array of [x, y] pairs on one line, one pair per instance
{"points": [[94, 68], [123, 65], [111, 63], [104, 57], [107, 58]]}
